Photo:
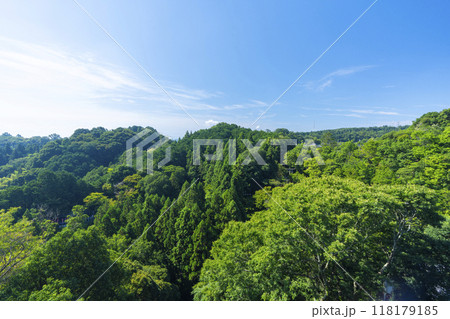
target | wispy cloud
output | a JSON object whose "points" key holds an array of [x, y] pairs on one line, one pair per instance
{"points": [[324, 85], [346, 115], [375, 112], [247, 105], [359, 113], [329, 79], [45, 90]]}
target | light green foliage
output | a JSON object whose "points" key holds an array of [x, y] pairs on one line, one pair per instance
{"points": [[54, 290], [150, 283], [75, 258], [271, 257], [16, 242]]}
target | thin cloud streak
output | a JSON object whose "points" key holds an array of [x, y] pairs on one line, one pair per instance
{"points": [[375, 112], [327, 80], [39, 83], [45, 90], [346, 115]]}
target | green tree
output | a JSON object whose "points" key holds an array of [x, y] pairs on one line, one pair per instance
{"points": [[17, 242], [271, 257], [75, 259]]}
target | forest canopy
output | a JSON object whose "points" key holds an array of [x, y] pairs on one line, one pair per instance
{"points": [[376, 211]]}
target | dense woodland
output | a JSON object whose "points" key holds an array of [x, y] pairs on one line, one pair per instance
{"points": [[378, 207]]}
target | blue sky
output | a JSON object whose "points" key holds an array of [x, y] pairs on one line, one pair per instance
{"points": [[223, 61]]}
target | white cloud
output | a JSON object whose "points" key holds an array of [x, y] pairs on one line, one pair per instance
{"points": [[348, 71], [48, 90], [359, 113], [248, 105], [375, 112], [211, 122], [346, 115], [328, 79], [324, 85]]}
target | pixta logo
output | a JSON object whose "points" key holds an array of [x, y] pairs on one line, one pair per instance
{"points": [[153, 141], [308, 147], [150, 143]]}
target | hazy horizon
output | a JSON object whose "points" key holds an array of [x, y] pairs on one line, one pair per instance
{"points": [[193, 131]]}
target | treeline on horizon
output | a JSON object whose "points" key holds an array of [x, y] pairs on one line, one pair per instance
{"points": [[69, 207], [14, 147]]}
